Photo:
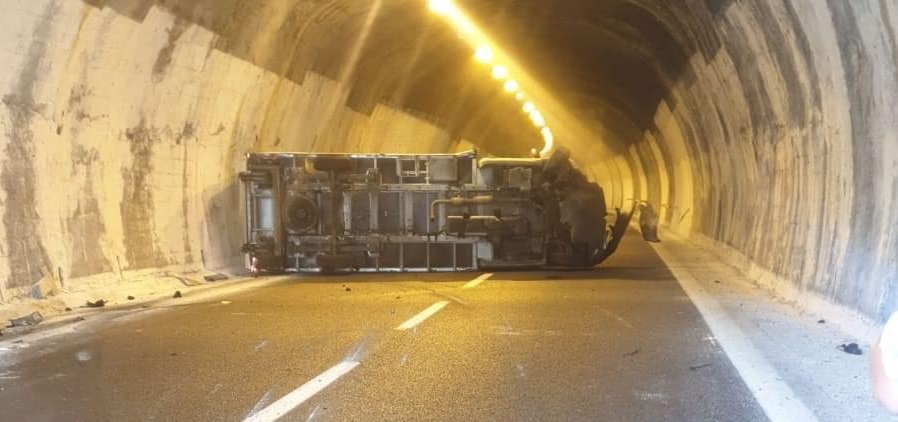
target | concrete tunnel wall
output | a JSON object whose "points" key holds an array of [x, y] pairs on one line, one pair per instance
{"points": [[125, 122]]}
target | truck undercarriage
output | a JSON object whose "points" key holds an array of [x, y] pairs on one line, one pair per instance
{"points": [[425, 212]]}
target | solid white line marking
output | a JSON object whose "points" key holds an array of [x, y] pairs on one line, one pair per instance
{"points": [[476, 282], [299, 396], [774, 395], [427, 313]]}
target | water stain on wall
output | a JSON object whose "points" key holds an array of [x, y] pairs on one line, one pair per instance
{"points": [[164, 58], [137, 207], [26, 255], [85, 225]]}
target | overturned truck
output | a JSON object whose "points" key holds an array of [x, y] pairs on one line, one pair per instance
{"points": [[432, 212]]}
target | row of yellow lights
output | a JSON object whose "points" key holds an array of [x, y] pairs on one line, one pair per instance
{"points": [[485, 54]]}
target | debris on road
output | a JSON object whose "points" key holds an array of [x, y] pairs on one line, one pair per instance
{"points": [[79, 319], [130, 297], [27, 321], [226, 302], [177, 294], [216, 277], [851, 348], [67, 309], [96, 304], [348, 289], [822, 321], [717, 281], [697, 367], [633, 353]]}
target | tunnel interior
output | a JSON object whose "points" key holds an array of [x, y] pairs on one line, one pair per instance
{"points": [[762, 128]]}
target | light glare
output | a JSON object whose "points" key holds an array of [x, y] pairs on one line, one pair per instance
{"points": [[529, 107], [500, 72], [537, 118], [484, 54], [441, 7], [511, 86]]}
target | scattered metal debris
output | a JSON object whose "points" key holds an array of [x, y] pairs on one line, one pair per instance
{"points": [[216, 277], [697, 367], [27, 321], [633, 353], [95, 304], [851, 348], [177, 294]]}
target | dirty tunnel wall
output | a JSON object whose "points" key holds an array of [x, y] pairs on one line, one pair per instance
{"points": [[122, 133], [777, 146]]}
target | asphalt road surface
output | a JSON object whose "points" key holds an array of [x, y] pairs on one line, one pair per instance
{"points": [[621, 343]]}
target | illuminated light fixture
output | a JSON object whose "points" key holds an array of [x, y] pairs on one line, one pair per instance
{"points": [[529, 107], [484, 54], [548, 142], [537, 118], [500, 72], [442, 7], [519, 96], [511, 85]]}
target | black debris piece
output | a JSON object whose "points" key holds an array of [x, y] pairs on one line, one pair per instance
{"points": [[27, 321], [822, 321], [216, 277], [67, 309], [697, 367], [633, 353], [177, 294], [130, 297], [173, 354], [851, 348], [397, 297], [79, 319], [96, 304], [19, 342], [348, 289], [717, 281]]}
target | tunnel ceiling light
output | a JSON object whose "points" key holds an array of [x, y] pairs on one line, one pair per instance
{"points": [[484, 54], [511, 85], [537, 118], [442, 7], [487, 53], [548, 142], [500, 72]]}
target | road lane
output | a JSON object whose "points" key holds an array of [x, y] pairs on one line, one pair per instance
{"points": [[620, 343]]}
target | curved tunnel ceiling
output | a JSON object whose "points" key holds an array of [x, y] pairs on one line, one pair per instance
{"points": [[765, 128]]}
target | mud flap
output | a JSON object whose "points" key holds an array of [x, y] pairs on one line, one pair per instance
{"points": [[621, 223]]}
